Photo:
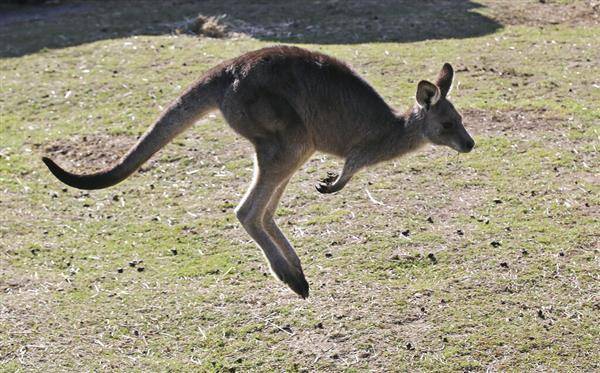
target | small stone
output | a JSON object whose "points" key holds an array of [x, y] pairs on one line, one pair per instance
{"points": [[432, 257]]}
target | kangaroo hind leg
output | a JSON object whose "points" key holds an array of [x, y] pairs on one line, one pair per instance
{"points": [[274, 165], [273, 229]]}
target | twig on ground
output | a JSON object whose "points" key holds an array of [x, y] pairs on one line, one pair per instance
{"points": [[373, 199]]}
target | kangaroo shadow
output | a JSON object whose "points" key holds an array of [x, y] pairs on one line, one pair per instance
{"points": [[29, 28]]}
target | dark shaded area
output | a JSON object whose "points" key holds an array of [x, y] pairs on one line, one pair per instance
{"points": [[31, 27]]}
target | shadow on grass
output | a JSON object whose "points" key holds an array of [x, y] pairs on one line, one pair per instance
{"points": [[26, 29]]}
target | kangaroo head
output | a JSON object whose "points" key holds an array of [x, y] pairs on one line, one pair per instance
{"points": [[442, 124]]}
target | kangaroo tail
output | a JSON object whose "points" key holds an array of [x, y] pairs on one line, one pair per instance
{"points": [[196, 101]]}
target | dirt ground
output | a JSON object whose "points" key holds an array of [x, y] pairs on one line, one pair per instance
{"points": [[486, 261]]}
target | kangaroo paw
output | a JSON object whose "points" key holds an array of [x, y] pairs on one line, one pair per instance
{"points": [[326, 185]]}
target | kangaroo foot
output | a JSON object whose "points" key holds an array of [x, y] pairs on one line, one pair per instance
{"points": [[294, 278]]}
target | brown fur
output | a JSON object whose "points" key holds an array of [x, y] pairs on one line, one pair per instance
{"points": [[290, 102]]}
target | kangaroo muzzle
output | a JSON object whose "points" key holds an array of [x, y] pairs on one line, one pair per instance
{"points": [[467, 146]]}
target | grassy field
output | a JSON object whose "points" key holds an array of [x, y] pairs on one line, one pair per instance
{"points": [[435, 262]]}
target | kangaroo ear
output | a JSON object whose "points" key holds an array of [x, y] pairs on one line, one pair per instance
{"points": [[444, 79], [427, 94]]}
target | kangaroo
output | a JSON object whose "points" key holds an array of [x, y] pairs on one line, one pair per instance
{"points": [[290, 102]]}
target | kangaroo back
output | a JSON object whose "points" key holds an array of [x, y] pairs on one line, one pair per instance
{"points": [[196, 101]]}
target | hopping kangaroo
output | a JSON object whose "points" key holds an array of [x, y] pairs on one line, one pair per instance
{"points": [[290, 102]]}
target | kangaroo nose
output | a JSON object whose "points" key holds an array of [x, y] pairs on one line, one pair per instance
{"points": [[469, 145]]}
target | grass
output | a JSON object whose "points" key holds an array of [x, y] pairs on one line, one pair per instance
{"points": [[487, 261]]}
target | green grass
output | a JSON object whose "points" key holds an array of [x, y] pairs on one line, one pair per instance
{"points": [[498, 270]]}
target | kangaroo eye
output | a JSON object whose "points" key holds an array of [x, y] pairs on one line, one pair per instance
{"points": [[447, 125]]}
